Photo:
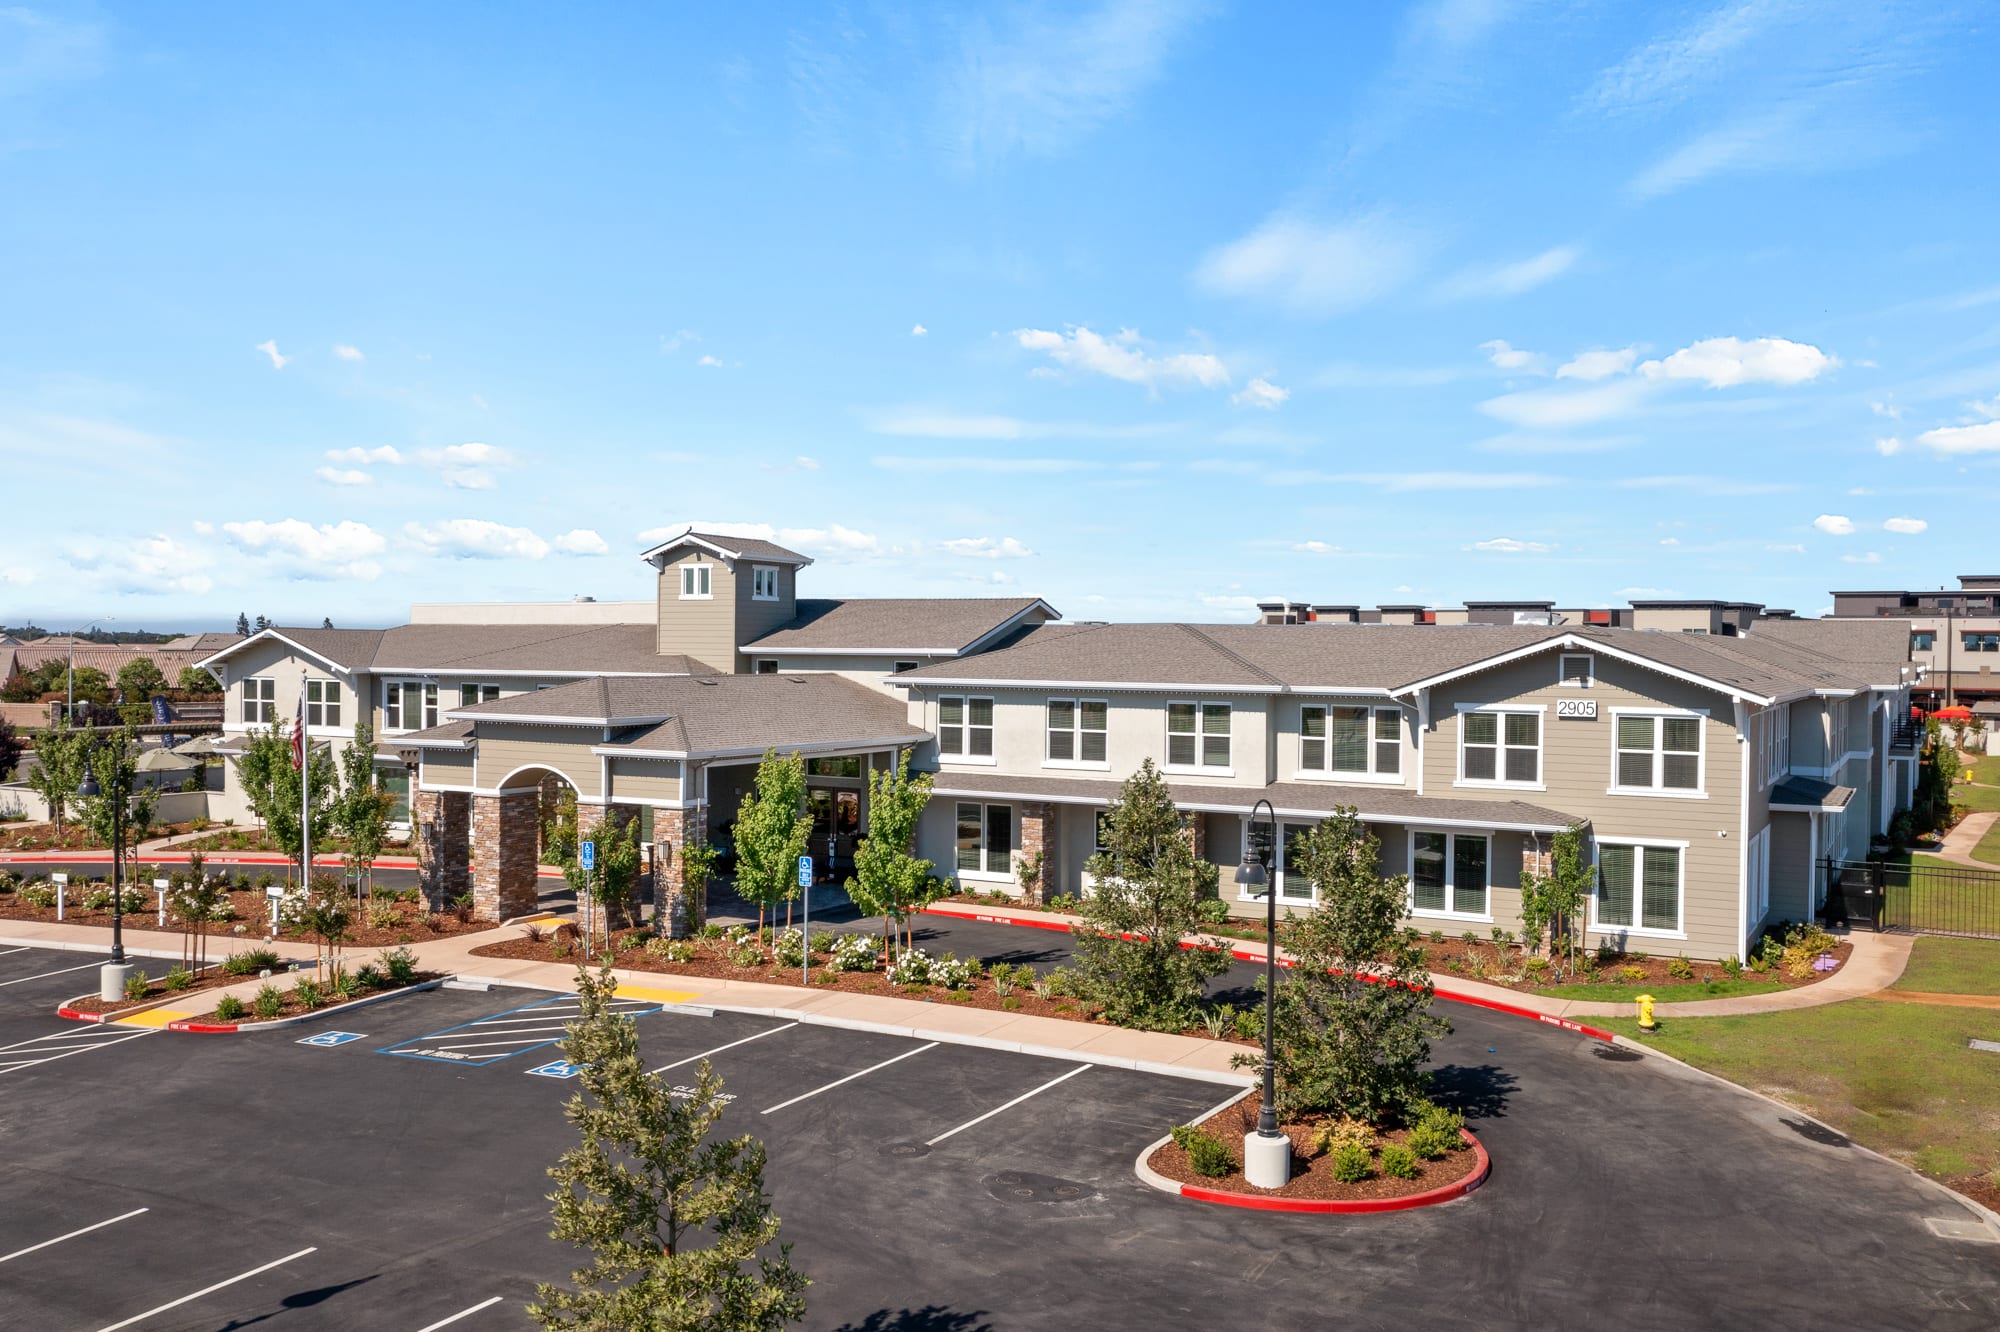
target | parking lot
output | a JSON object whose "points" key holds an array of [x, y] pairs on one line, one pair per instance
{"points": [[344, 1175]]}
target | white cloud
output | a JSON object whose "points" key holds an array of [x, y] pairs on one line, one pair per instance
{"points": [[476, 538], [1906, 526], [330, 550], [679, 338], [1261, 393], [1121, 357], [278, 359], [1724, 362], [1553, 408], [468, 478], [1313, 267], [1990, 409], [1509, 546], [16, 575], [467, 466], [1506, 357], [1981, 438], [348, 352], [1592, 366], [944, 425], [146, 565], [1664, 72], [987, 548], [833, 538], [919, 331], [1786, 550], [1511, 279], [1888, 409], [1771, 139], [342, 476], [1868, 557], [475, 454], [385, 454], [653, 536], [1889, 447], [1315, 547], [582, 541], [709, 361], [1834, 524], [1670, 541]]}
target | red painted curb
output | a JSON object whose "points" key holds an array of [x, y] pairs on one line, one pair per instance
{"points": [[1429, 1198], [74, 1016], [969, 913], [189, 1024], [1515, 1010]]}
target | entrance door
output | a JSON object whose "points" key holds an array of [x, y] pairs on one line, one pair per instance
{"points": [[837, 812]]}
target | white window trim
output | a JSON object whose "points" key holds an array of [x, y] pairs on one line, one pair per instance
{"points": [[985, 875], [402, 713], [968, 760], [1680, 904], [1562, 674], [1700, 788], [243, 697], [1198, 769], [757, 665], [1369, 778], [339, 702], [1451, 836], [1243, 893], [708, 570], [758, 574], [1781, 744], [1077, 733], [1500, 756]]}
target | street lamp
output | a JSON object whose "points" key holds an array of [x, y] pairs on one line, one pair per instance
{"points": [[112, 976], [1267, 1153], [69, 697]]}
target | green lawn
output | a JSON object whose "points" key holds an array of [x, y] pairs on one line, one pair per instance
{"points": [[1621, 993], [1986, 770], [1953, 966], [1974, 798], [1896, 1077], [1987, 848]]}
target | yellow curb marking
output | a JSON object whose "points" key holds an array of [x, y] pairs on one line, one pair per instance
{"points": [[152, 1017], [657, 996]]}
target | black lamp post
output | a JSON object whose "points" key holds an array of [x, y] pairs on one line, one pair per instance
{"points": [[1255, 874], [90, 790]]}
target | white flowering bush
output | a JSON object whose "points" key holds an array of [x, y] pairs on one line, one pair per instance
{"points": [[911, 967], [673, 950], [954, 973], [789, 947], [853, 952]]}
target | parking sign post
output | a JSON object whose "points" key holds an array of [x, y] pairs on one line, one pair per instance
{"points": [[805, 916], [586, 856]]}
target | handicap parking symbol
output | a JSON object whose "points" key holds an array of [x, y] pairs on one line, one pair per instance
{"points": [[556, 1069], [332, 1038]]}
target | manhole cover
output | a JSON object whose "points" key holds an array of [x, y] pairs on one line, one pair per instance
{"points": [[1026, 1187], [906, 1149]]}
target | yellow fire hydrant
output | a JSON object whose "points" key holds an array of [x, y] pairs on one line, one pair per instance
{"points": [[1646, 1023]]}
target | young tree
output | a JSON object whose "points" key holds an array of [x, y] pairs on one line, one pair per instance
{"points": [[771, 832], [271, 786], [194, 902], [262, 624], [114, 761], [325, 916], [20, 687], [1148, 895], [1552, 904], [677, 1226], [1353, 1013], [242, 624], [11, 749], [59, 768], [888, 880], [361, 809], [614, 879], [697, 867], [326, 622], [139, 679], [195, 680], [90, 685]]}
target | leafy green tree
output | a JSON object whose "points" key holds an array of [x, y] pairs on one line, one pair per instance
{"points": [[559, 827], [91, 686], [20, 687], [771, 832], [242, 624], [1148, 895], [114, 761], [1552, 904], [679, 1230], [58, 768], [194, 900], [361, 809], [1353, 1021], [697, 867], [327, 919], [614, 879], [11, 749], [888, 880], [271, 786], [195, 680], [139, 679]]}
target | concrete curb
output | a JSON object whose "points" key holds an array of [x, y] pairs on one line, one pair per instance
{"points": [[228, 1028], [65, 946], [1979, 1210]]}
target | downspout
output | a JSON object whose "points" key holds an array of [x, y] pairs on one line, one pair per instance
{"points": [[1745, 754], [1423, 725]]}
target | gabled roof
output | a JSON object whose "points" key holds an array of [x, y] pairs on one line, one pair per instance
{"points": [[729, 548], [474, 649], [891, 626]]}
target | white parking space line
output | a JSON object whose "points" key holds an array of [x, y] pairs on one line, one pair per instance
{"points": [[44, 975], [30, 1053], [8, 1258], [841, 1082], [207, 1290], [462, 1313], [789, 1026], [22, 949], [1052, 1082]]}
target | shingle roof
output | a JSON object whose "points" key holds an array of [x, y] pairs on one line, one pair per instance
{"points": [[893, 624], [732, 546], [718, 714], [1375, 803], [551, 649], [1810, 793]]}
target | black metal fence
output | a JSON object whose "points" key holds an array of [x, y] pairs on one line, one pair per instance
{"points": [[1923, 898]]}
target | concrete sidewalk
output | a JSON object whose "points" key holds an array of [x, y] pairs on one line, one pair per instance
{"points": [[1958, 843]]}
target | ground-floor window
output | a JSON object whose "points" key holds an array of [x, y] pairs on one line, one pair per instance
{"points": [[1448, 874], [1638, 887], [396, 781], [985, 836], [1293, 885]]}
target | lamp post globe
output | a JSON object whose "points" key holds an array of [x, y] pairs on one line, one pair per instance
{"points": [[1267, 1153]]}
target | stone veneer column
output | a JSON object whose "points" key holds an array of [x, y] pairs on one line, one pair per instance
{"points": [[1038, 821], [674, 910], [1196, 828], [505, 834], [443, 821], [1536, 859]]}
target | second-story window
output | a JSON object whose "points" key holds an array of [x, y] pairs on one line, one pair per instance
{"points": [[763, 582], [965, 726], [1076, 730], [1659, 753], [695, 582], [468, 694], [322, 703], [1981, 642], [1923, 640], [260, 701], [409, 705], [1197, 735], [1500, 746], [1351, 739]]}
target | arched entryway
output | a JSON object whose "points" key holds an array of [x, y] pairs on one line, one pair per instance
{"points": [[508, 830]]}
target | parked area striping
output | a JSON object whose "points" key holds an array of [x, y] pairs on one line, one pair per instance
{"points": [[72, 1040], [81, 1230], [488, 1040]]}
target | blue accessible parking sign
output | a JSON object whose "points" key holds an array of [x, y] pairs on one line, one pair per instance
{"points": [[586, 854], [332, 1038], [805, 871]]}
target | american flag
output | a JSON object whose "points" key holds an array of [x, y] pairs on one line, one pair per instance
{"points": [[299, 733]]}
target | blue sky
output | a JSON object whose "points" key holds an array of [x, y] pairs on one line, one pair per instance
{"points": [[1152, 309]]}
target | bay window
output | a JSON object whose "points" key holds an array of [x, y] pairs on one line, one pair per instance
{"points": [[1448, 874], [1077, 730], [1197, 735]]}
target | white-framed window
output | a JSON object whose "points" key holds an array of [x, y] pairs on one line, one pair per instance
{"points": [[696, 582], [1077, 731], [1291, 885], [409, 705], [1760, 875], [468, 694], [1351, 740], [1501, 747], [322, 703], [1781, 743], [1448, 874], [260, 700], [1658, 753], [1197, 735], [965, 726], [764, 665], [1576, 670], [763, 582], [1638, 888], [985, 838]]}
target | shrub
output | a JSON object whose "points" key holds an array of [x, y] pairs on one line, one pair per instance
{"points": [[384, 916], [1207, 1154], [1212, 910], [266, 879], [1437, 936], [1011, 1002], [229, 1008], [39, 894], [1732, 967], [9, 881], [1399, 1162], [1759, 965], [1436, 1132], [308, 992], [1249, 1025], [347, 985], [1334, 1134], [1680, 968], [853, 952], [1537, 969], [134, 901], [1060, 902], [399, 965], [1352, 1163], [177, 979], [1633, 974], [789, 948], [711, 930], [97, 899], [672, 950], [953, 973], [1063, 983], [747, 954], [911, 967], [367, 976], [135, 984], [250, 962], [269, 1001]]}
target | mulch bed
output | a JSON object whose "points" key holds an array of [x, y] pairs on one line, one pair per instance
{"points": [[1312, 1174], [250, 922], [293, 1008], [1455, 957], [211, 978], [75, 837]]}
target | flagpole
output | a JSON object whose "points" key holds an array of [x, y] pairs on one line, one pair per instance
{"points": [[305, 793]]}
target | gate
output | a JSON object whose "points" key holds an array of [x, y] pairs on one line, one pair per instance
{"points": [[1924, 899]]}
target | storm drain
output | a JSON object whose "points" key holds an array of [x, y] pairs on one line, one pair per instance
{"points": [[1967, 1232]]}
